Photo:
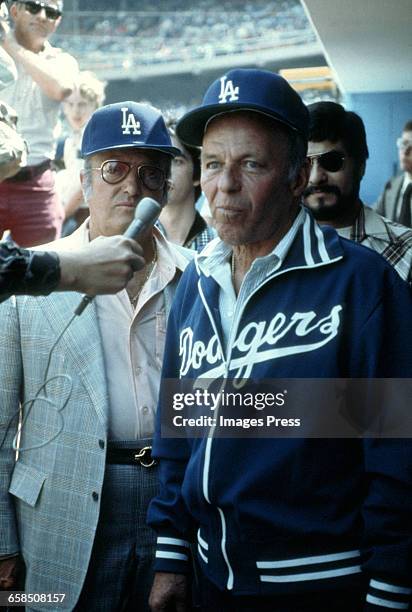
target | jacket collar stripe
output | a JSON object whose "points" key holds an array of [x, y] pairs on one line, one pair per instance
{"points": [[307, 243], [321, 244]]}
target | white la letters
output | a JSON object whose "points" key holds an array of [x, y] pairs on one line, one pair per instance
{"points": [[129, 122], [227, 90]]}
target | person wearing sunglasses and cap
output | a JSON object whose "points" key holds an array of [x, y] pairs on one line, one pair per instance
{"points": [[29, 204], [396, 200], [75, 505], [338, 152], [301, 517]]}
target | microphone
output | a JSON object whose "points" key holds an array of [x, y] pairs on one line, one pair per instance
{"points": [[145, 215]]}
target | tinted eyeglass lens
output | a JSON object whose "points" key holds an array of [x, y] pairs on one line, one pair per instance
{"points": [[153, 178], [52, 13], [34, 8], [114, 171], [331, 161]]}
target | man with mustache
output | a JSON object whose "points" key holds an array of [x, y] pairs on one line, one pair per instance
{"points": [[338, 152]]}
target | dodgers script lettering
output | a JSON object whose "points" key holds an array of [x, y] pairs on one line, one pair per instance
{"points": [[258, 342]]}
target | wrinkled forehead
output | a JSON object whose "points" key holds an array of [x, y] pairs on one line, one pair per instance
{"points": [[132, 155], [243, 118], [244, 133]]}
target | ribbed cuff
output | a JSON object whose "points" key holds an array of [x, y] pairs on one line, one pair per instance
{"points": [[172, 554], [384, 595]]}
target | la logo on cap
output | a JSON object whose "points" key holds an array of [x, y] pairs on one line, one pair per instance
{"points": [[129, 122], [227, 91]]}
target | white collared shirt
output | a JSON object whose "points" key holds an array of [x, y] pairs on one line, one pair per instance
{"points": [[133, 345], [133, 342], [217, 265]]}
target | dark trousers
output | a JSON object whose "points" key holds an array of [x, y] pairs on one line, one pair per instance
{"points": [[120, 572], [214, 600]]}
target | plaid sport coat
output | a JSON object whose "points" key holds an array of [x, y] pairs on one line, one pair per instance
{"points": [[50, 497]]}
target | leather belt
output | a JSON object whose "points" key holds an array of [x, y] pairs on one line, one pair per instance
{"points": [[30, 172], [131, 456]]}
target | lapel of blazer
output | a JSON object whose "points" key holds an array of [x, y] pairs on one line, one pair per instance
{"points": [[82, 343], [394, 194]]}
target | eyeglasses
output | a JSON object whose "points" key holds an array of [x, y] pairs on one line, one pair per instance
{"points": [[114, 171], [35, 7], [332, 161], [403, 144]]}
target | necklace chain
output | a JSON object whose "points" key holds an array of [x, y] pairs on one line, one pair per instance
{"points": [[232, 266], [149, 269]]}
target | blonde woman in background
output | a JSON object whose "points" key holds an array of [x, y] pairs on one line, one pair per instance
{"points": [[87, 95]]}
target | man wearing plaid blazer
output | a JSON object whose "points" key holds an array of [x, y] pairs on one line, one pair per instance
{"points": [[73, 505]]}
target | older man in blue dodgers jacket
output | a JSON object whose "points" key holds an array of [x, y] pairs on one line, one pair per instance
{"points": [[282, 524]]}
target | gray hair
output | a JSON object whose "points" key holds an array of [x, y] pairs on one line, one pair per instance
{"points": [[87, 179]]}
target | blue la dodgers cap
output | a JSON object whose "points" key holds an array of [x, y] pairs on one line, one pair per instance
{"points": [[260, 91], [127, 125]]}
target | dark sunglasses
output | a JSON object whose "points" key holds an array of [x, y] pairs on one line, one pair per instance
{"points": [[332, 161], [114, 171], [35, 7]]}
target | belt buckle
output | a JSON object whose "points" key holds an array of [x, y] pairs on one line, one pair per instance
{"points": [[142, 456]]}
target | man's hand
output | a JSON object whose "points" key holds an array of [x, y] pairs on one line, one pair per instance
{"points": [[9, 573], [104, 266], [10, 168], [169, 593]]}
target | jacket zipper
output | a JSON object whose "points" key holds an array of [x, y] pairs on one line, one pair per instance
{"points": [[209, 440]]}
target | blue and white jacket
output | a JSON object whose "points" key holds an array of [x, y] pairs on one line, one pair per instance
{"points": [[293, 515]]}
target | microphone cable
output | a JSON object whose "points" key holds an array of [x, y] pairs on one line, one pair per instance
{"points": [[146, 214]]}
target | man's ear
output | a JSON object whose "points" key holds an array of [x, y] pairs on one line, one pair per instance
{"points": [[13, 8], [299, 184]]}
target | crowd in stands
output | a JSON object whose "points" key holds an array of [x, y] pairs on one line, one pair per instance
{"points": [[177, 32]]}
